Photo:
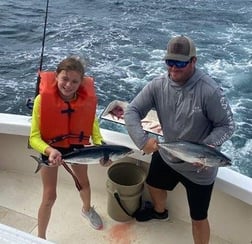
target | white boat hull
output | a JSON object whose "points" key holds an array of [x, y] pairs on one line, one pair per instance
{"points": [[230, 213]]}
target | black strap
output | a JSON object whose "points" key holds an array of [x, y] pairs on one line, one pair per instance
{"points": [[117, 197], [66, 136]]}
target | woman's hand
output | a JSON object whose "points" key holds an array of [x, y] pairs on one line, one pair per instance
{"points": [[54, 156]]}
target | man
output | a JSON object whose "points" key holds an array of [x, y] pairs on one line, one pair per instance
{"points": [[190, 106]]}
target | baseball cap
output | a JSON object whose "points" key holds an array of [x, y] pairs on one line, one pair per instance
{"points": [[180, 48]]}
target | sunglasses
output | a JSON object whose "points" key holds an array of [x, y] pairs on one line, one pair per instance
{"points": [[178, 64]]}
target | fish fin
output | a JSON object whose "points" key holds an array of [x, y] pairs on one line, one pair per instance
{"points": [[40, 163], [38, 168], [105, 163]]}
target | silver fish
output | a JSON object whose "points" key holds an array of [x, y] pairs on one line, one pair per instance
{"points": [[90, 155], [192, 152]]}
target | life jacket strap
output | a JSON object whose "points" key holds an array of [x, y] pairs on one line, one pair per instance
{"points": [[81, 137], [69, 110]]}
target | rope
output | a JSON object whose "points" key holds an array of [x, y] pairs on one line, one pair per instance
{"points": [[77, 183]]}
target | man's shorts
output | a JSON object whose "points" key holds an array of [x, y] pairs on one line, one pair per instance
{"points": [[162, 176]]}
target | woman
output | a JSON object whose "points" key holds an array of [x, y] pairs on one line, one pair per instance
{"points": [[63, 118]]}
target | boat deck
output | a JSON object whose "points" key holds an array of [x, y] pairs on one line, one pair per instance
{"points": [[20, 198]]}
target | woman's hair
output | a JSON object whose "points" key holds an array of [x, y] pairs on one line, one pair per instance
{"points": [[72, 63]]}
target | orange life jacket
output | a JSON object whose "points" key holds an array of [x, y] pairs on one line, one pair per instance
{"points": [[66, 123]]}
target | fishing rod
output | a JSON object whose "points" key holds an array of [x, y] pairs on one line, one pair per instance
{"points": [[29, 102], [42, 50]]}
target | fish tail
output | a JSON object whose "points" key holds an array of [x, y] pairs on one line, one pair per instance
{"points": [[40, 163]]}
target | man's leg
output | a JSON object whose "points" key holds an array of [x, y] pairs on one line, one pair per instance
{"points": [[199, 197], [201, 231], [158, 197]]}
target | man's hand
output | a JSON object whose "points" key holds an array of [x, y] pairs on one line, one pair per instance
{"points": [[201, 165], [150, 146]]}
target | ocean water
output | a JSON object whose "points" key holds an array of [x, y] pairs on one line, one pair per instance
{"points": [[123, 42]]}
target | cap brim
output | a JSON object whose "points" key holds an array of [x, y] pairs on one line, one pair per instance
{"points": [[177, 57]]}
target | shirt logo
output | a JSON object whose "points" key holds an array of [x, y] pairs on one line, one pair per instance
{"points": [[197, 109]]}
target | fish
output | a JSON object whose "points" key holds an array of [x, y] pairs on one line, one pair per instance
{"points": [[193, 152], [117, 112], [90, 155]]}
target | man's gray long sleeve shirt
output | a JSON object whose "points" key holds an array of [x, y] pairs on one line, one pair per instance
{"points": [[197, 111]]}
